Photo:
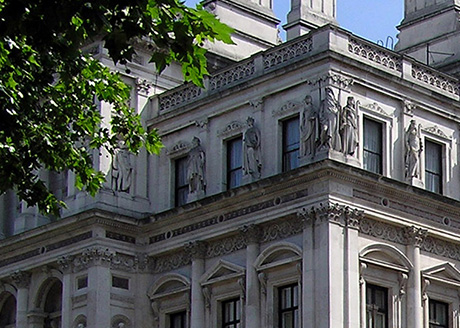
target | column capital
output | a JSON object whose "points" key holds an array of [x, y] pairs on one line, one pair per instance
{"points": [[415, 236], [335, 213], [65, 263], [251, 233], [196, 249], [21, 279]]}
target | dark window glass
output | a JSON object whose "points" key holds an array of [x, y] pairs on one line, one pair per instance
{"points": [[433, 167], [82, 282], [288, 312], [231, 313], [439, 315], [372, 146], [181, 188], [234, 162], [177, 320], [119, 282], [376, 306], [291, 144]]}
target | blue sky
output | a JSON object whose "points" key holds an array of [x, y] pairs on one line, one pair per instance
{"points": [[372, 19]]}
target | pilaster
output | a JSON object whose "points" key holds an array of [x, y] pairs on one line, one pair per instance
{"points": [[197, 251], [21, 280]]}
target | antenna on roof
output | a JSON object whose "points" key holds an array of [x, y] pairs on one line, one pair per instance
{"points": [[389, 44]]}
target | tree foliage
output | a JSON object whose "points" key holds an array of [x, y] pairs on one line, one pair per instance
{"points": [[48, 114]]}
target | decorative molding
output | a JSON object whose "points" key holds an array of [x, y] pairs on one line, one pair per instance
{"points": [[415, 236], [21, 279], [436, 131], [263, 282], [409, 107], [226, 246], [181, 147], [288, 108], [120, 237], [207, 296], [375, 54], [170, 262], [333, 79], [143, 86], [402, 278], [382, 230], [375, 107], [232, 128], [436, 79], [287, 53], [256, 104], [229, 216], [234, 74], [281, 229]]}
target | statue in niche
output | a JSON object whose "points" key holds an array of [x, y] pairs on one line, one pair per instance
{"points": [[122, 169], [329, 137], [349, 127], [308, 125], [413, 149], [251, 140], [196, 167]]}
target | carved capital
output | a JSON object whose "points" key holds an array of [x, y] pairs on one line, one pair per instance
{"points": [[409, 108], [196, 249], [257, 104], [251, 233], [21, 279], [415, 236], [353, 217], [97, 255], [65, 263]]}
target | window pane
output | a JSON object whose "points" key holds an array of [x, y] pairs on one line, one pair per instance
{"points": [[181, 183], [372, 146], [177, 320], [376, 306], [439, 315], [433, 167], [234, 163], [291, 140], [231, 313], [287, 320]]}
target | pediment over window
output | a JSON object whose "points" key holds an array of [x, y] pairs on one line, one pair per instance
{"points": [[277, 255], [443, 273], [221, 271], [385, 256], [169, 285]]}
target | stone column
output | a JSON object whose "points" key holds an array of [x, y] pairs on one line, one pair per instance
{"points": [[362, 290], [252, 236], [98, 260], [22, 281], [415, 238], [197, 251], [308, 265], [65, 263]]}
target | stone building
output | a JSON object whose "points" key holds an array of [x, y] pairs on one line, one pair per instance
{"points": [[313, 183]]}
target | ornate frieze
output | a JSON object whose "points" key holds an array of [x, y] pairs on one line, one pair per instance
{"points": [[170, 262], [287, 53], [375, 54], [236, 73], [21, 279], [120, 237], [281, 229], [441, 248], [226, 246], [434, 78], [382, 230]]}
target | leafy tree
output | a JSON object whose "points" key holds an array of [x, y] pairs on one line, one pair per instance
{"points": [[48, 86]]}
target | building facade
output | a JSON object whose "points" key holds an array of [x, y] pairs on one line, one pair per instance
{"points": [[313, 183]]}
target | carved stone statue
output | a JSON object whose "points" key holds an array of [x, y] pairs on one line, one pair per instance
{"points": [[196, 162], [413, 149], [251, 163], [329, 137], [308, 125], [349, 127], [122, 169]]}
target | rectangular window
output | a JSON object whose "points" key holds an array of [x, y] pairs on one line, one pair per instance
{"points": [[181, 182], [82, 282], [120, 282], [231, 313], [288, 302], [177, 320], [439, 315], [234, 162], [291, 142], [433, 167], [372, 146], [376, 306]]}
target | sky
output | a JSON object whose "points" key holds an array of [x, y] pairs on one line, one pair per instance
{"points": [[372, 19]]}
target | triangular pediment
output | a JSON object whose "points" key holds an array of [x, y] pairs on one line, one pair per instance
{"points": [[222, 270], [444, 272]]}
